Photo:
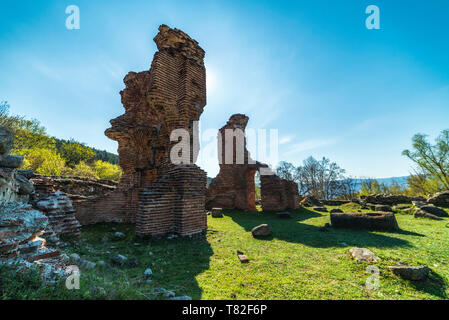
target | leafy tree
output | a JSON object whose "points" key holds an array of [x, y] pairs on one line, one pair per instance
{"points": [[106, 156], [28, 134], [422, 185], [74, 152], [83, 170], [431, 159], [372, 186], [43, 161], [106, 170]]}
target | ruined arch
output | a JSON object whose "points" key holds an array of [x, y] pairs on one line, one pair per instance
{"points": [[234, 186]]}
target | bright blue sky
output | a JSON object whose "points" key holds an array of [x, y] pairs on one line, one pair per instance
{"points": [[307, 68]]}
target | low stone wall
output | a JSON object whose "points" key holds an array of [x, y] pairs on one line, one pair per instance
{"points": [[389, 199], [75, 186]]}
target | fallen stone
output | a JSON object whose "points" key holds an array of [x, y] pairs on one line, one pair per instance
{"points": [[119, 235], [440, 199], [383, 208], [262, 230], [10, 161], [363, 255], [25, 186], [169, 294], [320, 209], [424, 214], [401, 207], [310, 201], [243, 258], [217, 213], [119, 259], [148, 272], [336, 210], [437, 211], [411, 273], [283, 215], [365, 220]]}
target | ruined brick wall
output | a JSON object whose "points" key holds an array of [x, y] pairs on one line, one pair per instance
{"points": [[158, 196], [234, 186], [75, 187], [278, 194], [90, 198], [175, 204]]}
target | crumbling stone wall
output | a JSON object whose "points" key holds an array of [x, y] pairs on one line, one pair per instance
{"points": [[159, 196], [389, 199], [234, 186], [21, 226]]}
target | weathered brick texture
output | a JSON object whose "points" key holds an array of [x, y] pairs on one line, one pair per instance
{"points": [[234, 186], [158, 196]]}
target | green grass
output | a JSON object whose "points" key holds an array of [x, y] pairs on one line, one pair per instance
{"points": [[297, 262]]}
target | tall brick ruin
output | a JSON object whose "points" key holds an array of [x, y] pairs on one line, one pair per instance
{"points": [[234, 186], [160, 197]]}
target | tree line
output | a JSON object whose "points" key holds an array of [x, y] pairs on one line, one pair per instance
{"points": [[325, 179], [56, 157]]}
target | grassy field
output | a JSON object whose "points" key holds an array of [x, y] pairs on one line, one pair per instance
{"points": [[297, 262]]}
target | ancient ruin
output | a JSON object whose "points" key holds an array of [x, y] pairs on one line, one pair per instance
{"points": [[234, 186], [21, 225], [158, 196], [364, 220]]}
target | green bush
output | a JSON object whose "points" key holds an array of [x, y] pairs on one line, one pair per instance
{"points": [[106, 170], [43, 161]]}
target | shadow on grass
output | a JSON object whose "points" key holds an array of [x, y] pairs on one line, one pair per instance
{"points": [[433, 285], [175, 262], [293, 230]]}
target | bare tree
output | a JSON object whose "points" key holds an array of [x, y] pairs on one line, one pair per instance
{"points": [[286, 170], [322, 179]]}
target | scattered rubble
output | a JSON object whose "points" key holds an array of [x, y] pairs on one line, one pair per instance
{"points": [[411, 273], [440, 199], [363, 255], [424, 214], [217, 212], [262, 230]]}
